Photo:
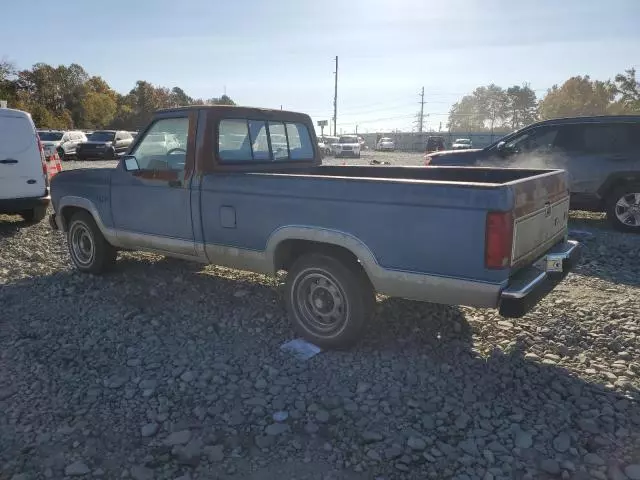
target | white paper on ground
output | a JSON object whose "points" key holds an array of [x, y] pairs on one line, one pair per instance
{"points": [[301, 349]]}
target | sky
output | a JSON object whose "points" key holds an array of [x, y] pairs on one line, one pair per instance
{"points": [[282, 52]]}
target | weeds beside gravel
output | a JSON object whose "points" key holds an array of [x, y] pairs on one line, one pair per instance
{"points": [[164, 369]]}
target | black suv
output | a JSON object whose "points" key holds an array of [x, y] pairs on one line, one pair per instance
{"points": [[104, 144], [601, 155]]}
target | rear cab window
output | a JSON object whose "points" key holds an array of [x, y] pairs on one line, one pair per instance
{"points": [[260, 141]]}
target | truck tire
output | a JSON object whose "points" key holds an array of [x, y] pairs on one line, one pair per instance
{"points": [[89, 250], [328, 300], [623, 208], [34, 215]]}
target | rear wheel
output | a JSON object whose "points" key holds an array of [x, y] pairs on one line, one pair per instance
{"points": [[328, 300], [34, 215], [89, 250], [623, 208]]}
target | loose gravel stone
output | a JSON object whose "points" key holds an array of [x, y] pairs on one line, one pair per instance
{"points": [[177, 438], [94, 367], [149, 430], [562, 442], [632, 471], [76, 469]]}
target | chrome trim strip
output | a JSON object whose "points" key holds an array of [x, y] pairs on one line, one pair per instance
{"points": [[173, 247]]}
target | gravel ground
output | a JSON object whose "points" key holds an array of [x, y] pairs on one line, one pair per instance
{"points": [[169, 370]]}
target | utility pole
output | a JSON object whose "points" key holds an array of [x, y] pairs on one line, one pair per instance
{"points": [[356, 129], [421, 120], [335, 100]]}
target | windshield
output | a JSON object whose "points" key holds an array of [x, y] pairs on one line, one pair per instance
{"points": [[464, 141], [348, 140], [101, 137], [50, 136], [385, 140], [156, 137]]}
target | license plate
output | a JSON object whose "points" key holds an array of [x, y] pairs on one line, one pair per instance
{"points": [[553, 264]]}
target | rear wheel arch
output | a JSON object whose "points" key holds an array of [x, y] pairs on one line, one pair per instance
{"points": [[616, 181], [288, 251]]}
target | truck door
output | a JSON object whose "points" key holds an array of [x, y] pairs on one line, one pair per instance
{"points": [[150, 195]]}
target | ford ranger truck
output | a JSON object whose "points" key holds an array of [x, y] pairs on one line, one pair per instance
{"points": [[245, 188]]}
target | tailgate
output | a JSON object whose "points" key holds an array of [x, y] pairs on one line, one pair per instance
{"points": [[541, 212]]}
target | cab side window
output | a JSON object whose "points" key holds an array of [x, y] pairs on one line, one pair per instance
{"points": [[300, 145], [254, 141], [154, 152]]}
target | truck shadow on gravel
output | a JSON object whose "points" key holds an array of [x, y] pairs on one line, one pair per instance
{"points": [[10, 225], [421, 371]]}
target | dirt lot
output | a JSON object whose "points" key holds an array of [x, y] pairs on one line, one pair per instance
{"points": [[168, 370]]}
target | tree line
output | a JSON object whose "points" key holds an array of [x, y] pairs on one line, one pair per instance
{"points": [[492, 107], [67, 97]]}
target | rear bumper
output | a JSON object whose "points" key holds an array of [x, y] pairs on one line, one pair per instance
{"points": [[17, 205], [532, 284]]}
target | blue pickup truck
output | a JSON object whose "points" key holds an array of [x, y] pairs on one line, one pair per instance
{"points": [[245, 188]]}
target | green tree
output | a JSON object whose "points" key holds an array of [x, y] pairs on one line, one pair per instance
{"points": [[180, 98], [578, 96], [8, 88], [523, 106], [627, 89], [485, 109], [223, 100], [99, 109], [464, 116]]}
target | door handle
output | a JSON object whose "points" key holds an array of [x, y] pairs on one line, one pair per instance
{"points": [[8, 161]]}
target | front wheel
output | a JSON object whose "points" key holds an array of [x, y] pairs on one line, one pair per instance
{"points": [[328, 300], [623, 208], [89, 250], [62, 155]]}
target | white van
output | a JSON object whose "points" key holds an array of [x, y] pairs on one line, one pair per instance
{"points": [[24, 185]]}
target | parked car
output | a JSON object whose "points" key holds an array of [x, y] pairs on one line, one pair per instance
{"points": [[462, 144], [497, 237], [386, 145], [435, 143], [65, 143], [24, 184], [104, 144], [331, 141], [160, 143], [324, 147], [601, 155], [347, 146]]}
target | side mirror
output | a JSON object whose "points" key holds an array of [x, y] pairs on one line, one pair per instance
{"points": [[130, 163], [501, 148]]}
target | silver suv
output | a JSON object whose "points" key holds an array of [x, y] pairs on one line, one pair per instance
{"points": [[63, 142], [601, 155]]}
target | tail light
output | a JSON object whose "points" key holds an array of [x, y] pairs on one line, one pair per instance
{"points": [[43, 161], [499, 239]]}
